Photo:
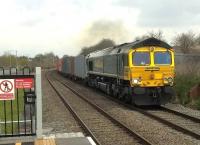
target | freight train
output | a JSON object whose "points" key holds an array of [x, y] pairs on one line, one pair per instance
{"points": [[140, 72]]}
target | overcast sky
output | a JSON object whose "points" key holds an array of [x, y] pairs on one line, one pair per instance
{"points": [[64, 26]]}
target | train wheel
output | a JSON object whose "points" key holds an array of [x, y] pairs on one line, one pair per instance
{"points": [[108, 90], [115, 93], [127, 98], [121, 97], [114, 90]]}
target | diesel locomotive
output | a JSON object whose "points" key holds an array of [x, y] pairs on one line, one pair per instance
{"points": [[140, 72]]}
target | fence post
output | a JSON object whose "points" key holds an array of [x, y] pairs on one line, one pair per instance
{"points": [[38, 87]]}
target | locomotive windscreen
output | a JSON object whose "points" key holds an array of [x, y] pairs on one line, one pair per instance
{"points": [[162, 58], [141, 58]]}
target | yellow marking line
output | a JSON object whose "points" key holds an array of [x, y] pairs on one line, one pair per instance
{"points": [[49, 141]]}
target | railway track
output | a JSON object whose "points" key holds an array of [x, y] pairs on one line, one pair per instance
{"points": [[194, 119], [181, 122], [103, 128], [175, 120]]}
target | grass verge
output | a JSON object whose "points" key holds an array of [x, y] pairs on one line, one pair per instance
{"points": [[19, 97]]}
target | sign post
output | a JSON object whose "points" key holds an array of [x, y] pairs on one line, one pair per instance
{"points": [[38, 102]]}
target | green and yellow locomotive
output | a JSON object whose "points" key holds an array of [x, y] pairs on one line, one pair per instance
{"points": [[141, 72]]}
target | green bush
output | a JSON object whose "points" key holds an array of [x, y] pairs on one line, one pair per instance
{"points": [[183, 83]]}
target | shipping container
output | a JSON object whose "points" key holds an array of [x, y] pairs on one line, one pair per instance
{"points": [[80, 66], [68, 65], [65, 65], [71, 64], [59, 65]]}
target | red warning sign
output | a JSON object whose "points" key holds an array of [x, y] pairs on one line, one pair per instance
{"points": [[25, 83], [7, 90]]}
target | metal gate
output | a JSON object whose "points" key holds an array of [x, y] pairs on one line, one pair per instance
{"points": [[17, 112]]}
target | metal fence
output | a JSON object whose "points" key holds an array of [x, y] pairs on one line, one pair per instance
{"points": [[187, 63], [18, 102]]}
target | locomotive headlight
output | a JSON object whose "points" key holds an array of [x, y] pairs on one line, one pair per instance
{"points": [[168, 80], [136, 81]]}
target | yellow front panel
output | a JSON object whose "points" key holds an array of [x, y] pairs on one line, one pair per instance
{"points": [[150, 75]]}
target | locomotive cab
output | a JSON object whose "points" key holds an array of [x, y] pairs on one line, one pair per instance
{"points": [[151, 74]]}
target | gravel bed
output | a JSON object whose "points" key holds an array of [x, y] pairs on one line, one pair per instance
{"points": [[56, 118], [106, 132], [149, 128], [183, 109]]}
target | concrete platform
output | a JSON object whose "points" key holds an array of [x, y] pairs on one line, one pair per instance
{"points": [[73, 141], [52, 139], [14, 140]]}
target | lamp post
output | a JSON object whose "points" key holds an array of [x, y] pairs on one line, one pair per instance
{"points": [[15, 58], [10, 60]]}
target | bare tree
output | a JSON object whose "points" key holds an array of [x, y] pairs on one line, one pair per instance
{"points": [[197, 41], [46, 60], [158, 35], [185, 41]]}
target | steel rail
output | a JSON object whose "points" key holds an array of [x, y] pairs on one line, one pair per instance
{"points": [[135, 134], [194, 119], [75, 115], [168, 123]]}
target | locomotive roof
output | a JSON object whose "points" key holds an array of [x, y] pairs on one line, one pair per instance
{"points": [[125, 47], [149, 42]]}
